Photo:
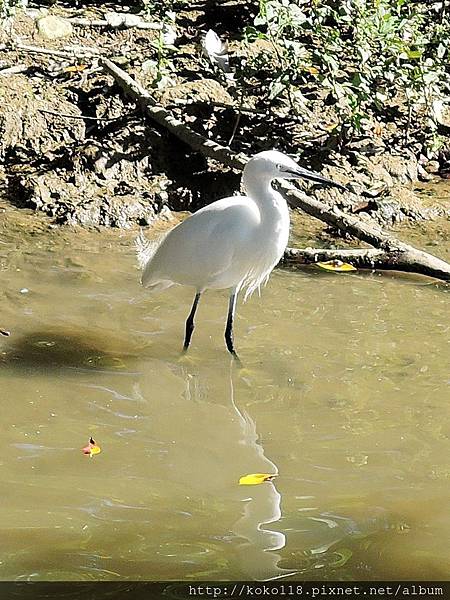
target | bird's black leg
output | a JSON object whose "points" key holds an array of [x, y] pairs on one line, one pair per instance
{"points": [[229, 327], [190, 322]]}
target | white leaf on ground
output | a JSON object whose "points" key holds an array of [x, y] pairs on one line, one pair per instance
{"points": [[216, 50]]}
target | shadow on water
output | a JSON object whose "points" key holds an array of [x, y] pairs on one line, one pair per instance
{"points": [[102, 351], [49, 349]]}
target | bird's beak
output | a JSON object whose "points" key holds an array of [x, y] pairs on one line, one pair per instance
{"points": [[300, 172]]}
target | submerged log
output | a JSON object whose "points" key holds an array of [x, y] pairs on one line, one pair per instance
{"points": [[395, 254], [360, 258]]}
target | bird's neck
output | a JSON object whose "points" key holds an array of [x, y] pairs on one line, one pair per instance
{"points": [[260, 190]]}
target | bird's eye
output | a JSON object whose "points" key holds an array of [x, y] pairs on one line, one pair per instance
{"points": [[280, 167]]}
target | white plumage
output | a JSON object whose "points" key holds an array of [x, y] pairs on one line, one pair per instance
{"points": [[233, 243]]}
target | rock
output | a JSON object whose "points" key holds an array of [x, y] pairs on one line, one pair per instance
{"points": [[402, 203], [117, 20], [27, 132], [441, 112], [203, 90], [377, 172], [86, 203], [388, 211], [432, 167], [355, 187], [389, 169], [261, 48], [367, 146], [403, 168], [423, 174], [375, 190], [52, 27]]}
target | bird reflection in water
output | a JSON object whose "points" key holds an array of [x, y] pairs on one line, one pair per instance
{"points": [[241, 452]]}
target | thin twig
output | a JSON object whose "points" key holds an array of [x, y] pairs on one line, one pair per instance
{"points": [[14, 70], [67, 116], [88, 22], [39, 50], [236, 125], [123, 24], [60, 53], [408, 122], [243, 109]]}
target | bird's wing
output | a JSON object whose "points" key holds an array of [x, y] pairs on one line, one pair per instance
{"points": [[206, 245]]}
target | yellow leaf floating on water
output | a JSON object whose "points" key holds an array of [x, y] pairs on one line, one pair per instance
{"points": [[95, 450], [91, 449], [256, 478], [336, 265]]}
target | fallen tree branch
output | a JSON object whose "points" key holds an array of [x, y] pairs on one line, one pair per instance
{"points": [[68, 53], [404, 256], [14, 70], [117, 21], [165, 118], [361, 258]]}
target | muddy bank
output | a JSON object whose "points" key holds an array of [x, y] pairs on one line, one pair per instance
{"points": [[74, 148]]}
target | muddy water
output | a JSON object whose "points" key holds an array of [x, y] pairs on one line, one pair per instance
{"points": [[344, 394]]}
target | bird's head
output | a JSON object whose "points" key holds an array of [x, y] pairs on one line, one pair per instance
{"points": [[272, 164]]}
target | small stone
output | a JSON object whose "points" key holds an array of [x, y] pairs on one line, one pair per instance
{"points": [[355, 187], [114, 19], [432, 167], [204, 90], [52, 27], [423, 174], [376, 190]]}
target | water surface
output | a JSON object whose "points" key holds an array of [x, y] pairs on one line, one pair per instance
{"points": [[344, 394]]}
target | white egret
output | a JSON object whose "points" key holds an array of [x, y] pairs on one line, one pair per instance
{"points": [[233, 243]]}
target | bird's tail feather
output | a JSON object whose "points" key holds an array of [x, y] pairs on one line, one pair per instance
{"points": [[157, 286], [145, 249]]}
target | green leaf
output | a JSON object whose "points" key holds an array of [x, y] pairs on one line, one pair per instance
{"points": [[414, 53], [276, 87]]}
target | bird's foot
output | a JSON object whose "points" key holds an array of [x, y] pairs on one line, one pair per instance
{"points": [[236, 358]]}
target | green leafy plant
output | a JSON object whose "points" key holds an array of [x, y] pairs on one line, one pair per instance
{"points": [[161, 67], [368, 57], [8, 7]]}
